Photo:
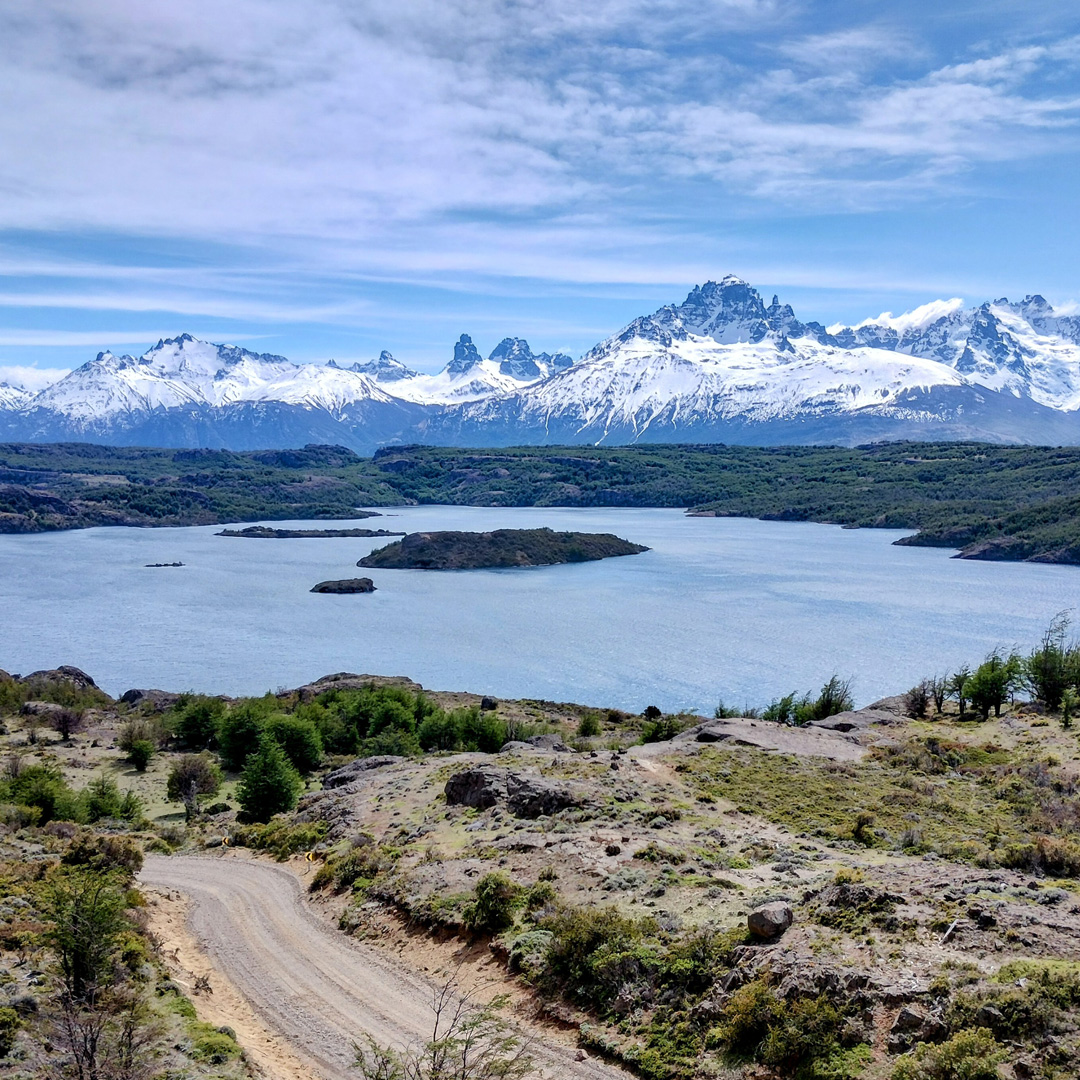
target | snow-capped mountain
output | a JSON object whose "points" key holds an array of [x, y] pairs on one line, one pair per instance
{"points": [[721, 366], [511, 366], [13, 397]]}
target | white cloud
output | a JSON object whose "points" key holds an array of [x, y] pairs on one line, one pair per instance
{"points": [[29, 377]]}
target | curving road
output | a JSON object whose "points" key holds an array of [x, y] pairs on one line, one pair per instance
{"points": [[315, 986]]}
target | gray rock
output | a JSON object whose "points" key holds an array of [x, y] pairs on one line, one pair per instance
{"points": [[908, 1019], [73, 675], [480, 786], [526, 795], [770, 920], [153, 700], [348, 773], [534, 796], [346, 585]]}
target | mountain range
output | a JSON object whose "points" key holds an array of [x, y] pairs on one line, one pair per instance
{"points": [[722, 366]]}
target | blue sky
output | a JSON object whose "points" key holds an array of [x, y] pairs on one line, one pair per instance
{"points": [[324, 178]]}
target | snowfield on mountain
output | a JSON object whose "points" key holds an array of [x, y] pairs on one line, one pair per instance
{"points": [[720, 366]]}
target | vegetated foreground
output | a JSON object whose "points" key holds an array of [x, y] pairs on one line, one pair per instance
{"points": [[500, 548], [989, 501], [807, 892]]}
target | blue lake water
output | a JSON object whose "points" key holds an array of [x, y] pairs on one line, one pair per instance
{"points": [[719, 608]]}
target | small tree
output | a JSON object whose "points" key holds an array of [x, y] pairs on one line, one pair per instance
{"points": [[990, 686], [66, 722], [193, 775], [239, 729], [939, 690], [140, 753], [652, 713], [957, 686], [917, 700], [1069, 702], [197, 721], [1046, 671], [299, 739], [269, 783], [467, 1043]]}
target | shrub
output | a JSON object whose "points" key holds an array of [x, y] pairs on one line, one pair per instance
{"points": [[269, 783], [299, 739], [101, 798], [589, 726], [101, 852], [9, 1026], [992, 683], [65, 722], [140, 753], [197, 721], [482, 731], [192, 776], [660, 729], [212, 1046], [651, 712], [917, 701], [440, 731], [968, 1055], [497, 898], [42, 787], [281, 838], [238, 732]]}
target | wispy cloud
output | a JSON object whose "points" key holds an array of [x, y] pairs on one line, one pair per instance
{"points": [[30, 377]]}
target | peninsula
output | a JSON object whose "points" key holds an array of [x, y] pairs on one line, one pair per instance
{"points": [[264, 532], [500, 548]]}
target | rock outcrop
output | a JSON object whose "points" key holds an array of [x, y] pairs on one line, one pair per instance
{"points": [[346, 585], [525, 795]]}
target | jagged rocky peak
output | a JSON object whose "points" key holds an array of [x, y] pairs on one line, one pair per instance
{"points": [[466, 356], [385, 369], [516, 359]]}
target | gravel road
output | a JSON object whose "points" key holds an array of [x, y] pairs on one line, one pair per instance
{"points": [[318, 988]]}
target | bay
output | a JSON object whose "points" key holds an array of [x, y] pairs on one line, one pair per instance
{"points": [[727, 608]]}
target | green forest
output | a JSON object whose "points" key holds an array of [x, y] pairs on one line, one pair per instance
{"points": [[988, 501]]}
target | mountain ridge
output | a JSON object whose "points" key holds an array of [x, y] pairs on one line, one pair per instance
{"points": [[722, 365]]}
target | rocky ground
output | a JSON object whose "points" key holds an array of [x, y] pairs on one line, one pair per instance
{"points": [[903, 891]]}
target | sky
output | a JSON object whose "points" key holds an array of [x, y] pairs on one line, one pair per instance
{"points": [[330, 178]]}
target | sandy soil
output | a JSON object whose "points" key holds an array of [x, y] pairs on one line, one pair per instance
{"points": [[297, 992]]}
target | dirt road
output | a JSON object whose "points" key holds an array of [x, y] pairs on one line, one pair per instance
{"points": [[314, 986]]}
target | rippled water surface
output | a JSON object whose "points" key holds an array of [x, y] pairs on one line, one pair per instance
{"points": [[732, 608]]}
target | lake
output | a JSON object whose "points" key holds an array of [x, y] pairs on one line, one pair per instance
{"points": [[719, 608]]}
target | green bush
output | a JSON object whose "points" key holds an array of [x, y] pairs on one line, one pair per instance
{"points": [[238, 730], [280, 837], [482, 731], [211, 1046], [140, 753], [9, 1026], [968, 1055], [269, 784], [440, 731], [300, 740], [197, 720], [497, 898], [589, 726]]}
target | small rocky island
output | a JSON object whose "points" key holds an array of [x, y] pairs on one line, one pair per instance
{"points": [[264, 532], [500, 548], [346, 585]]}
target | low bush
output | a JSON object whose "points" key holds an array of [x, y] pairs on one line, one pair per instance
{"points": [[496, 901], [968, 1055]]}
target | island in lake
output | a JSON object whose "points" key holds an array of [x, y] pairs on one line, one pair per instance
{"points": [[500, 548], [346, 585], [264, 532]]}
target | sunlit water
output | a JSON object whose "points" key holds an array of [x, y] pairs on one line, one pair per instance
{"points": [[719, 608]]}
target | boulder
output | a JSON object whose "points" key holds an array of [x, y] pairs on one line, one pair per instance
{"points": [[46, 709], [153, 700], [73, 675], [354, 769], [348, 680], [346, 585], [535, 796], [526, 795], [770, 920], [548, 742], [480, 786]]}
